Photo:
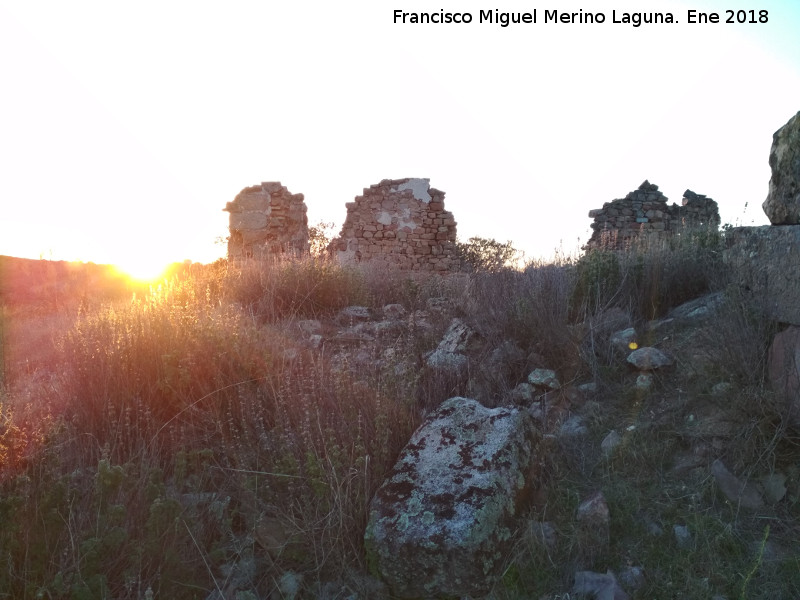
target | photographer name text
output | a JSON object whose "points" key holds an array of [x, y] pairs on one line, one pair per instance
{"points": [[581, 17]]}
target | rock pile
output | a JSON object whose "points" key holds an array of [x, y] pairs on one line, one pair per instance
{"points": [[399, 222], [644, 211], [267, 220]]}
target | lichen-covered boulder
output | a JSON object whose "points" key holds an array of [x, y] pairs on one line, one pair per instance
{"points": [[782, 205], [442, 522]]}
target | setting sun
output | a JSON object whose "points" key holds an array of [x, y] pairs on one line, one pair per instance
{"points": [[143, 268]]}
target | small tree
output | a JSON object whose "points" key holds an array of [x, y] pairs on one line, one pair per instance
{"points": [[482, 254], [319, 236]]}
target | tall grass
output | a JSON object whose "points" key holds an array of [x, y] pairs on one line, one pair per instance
{"points": [[184, 427]]}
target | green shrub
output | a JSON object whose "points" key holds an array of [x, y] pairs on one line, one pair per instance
{"points": [[650, 277]]}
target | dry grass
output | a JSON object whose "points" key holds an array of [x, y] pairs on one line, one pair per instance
{"points": [[183, 441], [175, 428]]}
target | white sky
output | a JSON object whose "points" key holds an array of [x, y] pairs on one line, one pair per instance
{"points": [[126, 127]]}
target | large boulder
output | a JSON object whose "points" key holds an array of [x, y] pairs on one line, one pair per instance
{"points": [[765, 261], [442, 523], [783, 200], [783, 368]]}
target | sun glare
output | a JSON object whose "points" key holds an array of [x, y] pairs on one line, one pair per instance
{"points": [[142, 268]]}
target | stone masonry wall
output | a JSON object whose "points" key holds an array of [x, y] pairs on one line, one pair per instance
{"points": [[400, 223], [644, 212], [267, 220]]}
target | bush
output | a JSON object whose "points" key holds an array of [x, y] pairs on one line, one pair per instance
{"points": [[482, 254], [651, 277], [302, 288], [529, 308]]}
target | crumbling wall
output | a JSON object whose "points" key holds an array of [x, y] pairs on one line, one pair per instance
{"points": [[400, 223], [644, 212], [267, 220]]}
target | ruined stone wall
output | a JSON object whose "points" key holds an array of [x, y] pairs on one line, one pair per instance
{"points": [[267, 220], [644, 212], [400, 223]]}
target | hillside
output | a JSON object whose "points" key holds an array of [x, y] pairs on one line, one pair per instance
{"points": [[222, 434]]}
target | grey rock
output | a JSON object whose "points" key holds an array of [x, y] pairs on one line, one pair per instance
{"points": [[782, 205], [439, 304], [610, 443], [448, 361], [649, 359], [309, 327], [699, 308], [644, 382], [774, 487], [394, 311], [442, 522], [450, 353], [682, 535], [573, 427], [721, 389], [783, 370], [594, 510], [765, 261], [744, 494], [593, 527], [544, 378], [600, 586], [289, 585], [522, 394], [457, 337], [632, 577], [621, 340]]}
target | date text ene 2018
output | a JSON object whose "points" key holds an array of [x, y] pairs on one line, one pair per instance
{"points": [[732, 16]]}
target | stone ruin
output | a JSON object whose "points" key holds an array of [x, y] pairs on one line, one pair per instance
{"points": [[400, 223], [267, 221], [644, 212]]}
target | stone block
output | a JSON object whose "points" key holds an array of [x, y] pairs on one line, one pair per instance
{"points": [[248, 220], [765, 261]]}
